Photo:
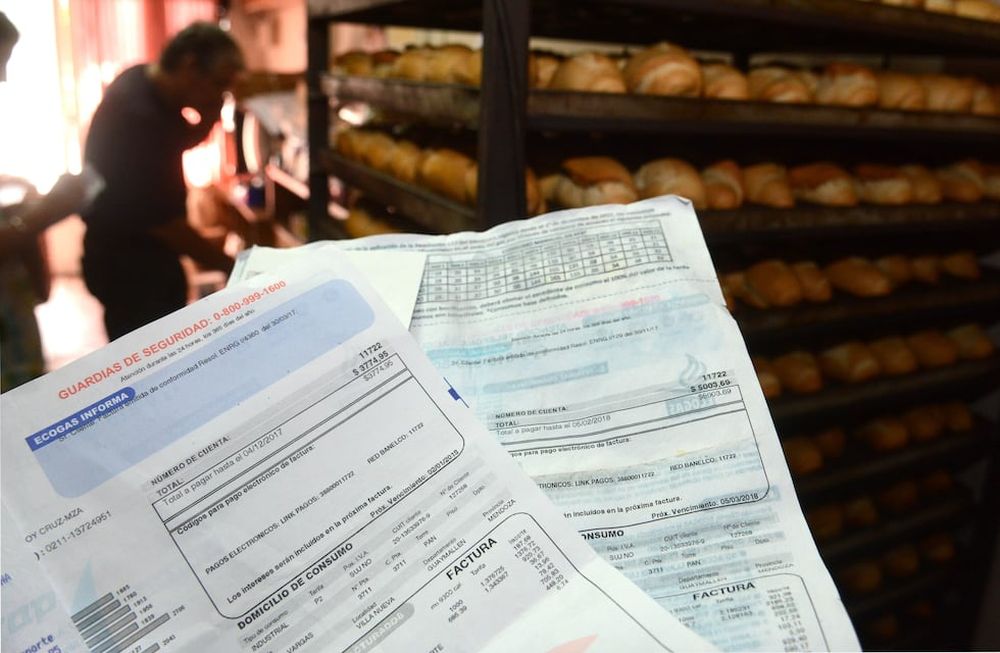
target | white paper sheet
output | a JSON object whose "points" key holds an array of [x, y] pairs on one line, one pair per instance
{"points": [[394, 275], [279, 468], [595, 345]]}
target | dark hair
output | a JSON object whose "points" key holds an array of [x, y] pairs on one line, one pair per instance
{"points": [[206, 42], [8, 33]]}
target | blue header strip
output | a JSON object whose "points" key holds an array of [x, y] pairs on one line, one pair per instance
{"points": [[79, 419]]}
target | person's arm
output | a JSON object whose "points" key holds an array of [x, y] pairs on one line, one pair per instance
{"points": [[65, 198], [185, 241]]}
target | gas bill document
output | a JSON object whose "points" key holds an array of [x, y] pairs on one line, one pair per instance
{"points": [[280, 468], [595, 346]]}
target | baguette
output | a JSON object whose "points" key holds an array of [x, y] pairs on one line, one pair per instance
{"points": [[850, 362]]}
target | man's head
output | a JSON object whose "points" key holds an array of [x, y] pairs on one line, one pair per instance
{"points": [[202, 62], [8, 37]]}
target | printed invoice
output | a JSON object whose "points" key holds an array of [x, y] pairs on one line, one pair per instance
{"points": [[279, 468]]}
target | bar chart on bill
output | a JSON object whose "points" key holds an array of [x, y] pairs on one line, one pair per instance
{"points": [[122, 621]]}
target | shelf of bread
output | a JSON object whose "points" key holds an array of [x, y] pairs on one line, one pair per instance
{"points": [[430, 210], [898, 593], [721, 24], [862, 469], [565, 110]]}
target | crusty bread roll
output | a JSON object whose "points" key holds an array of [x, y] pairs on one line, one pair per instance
{"points": [[938, 548], [722, 81], [767, 377], [767, 184], [984, 101], [444, 171], [588, 71], [850, 362], [775, 281], [937, 483], [860, 512], [847, 84], [779, 84], [798, 372], [413, 64], [940, 6], [543, 66], [354, 62], [831, 442], [405, 161], [885, 627], [453, 64], [383, 62], [736, 283], [945, 93], [957, 417], [899, 497], [663, 69], [346, 143], [926, 268], [815, 286], [376, 150], [925, 423], [991, 176], [360, 223], [972, 341], [894, 356], [862, 577], [963, 265], [978, 10], [588, 181], [858, 276], [884, 434], [723, 183], [962, 181], [802, 455], [886, 185], [925, 185], [901, 561], [826, 522], [670, 177], [933, 348], [896, 267], [901, 91], [822, 183]]}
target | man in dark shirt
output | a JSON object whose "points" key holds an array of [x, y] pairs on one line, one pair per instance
{"points": [[137, 227]]}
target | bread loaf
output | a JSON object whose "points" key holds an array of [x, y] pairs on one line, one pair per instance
{"points": [[901, 561], [815, 286], [957, 417], [376, 150], [850, 362], [901, 91], [767, 184], [723, 183], [991, 179], [826, 522], [822, 183], [670, 177], [798, 372], [444, 171], [933, 348], [860, 577], [831, 442], [938, 548], [884, 434], [860, 512], [858, 276], [354, 62], [778, 84], [405, 161], [885, 185], [588, 181], [937, 483], [894, 356], [663, 69], [940, 6], [847, 84], [978, 10], [984, 101], [896, 267], [360, 223], [588, 71], [925, 423], [737, 285], [899, 497], [766, 376], [926, 268], [924, 184], [413, 64], [453, 64], [962, 181], [383, 62], [722, 81], [972, 341], [802, 455], [543, 67], [946, 93], [884, 627], [775, 282], [963, 265]]}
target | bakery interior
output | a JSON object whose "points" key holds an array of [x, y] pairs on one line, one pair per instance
{"points": [[843, 157]]}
